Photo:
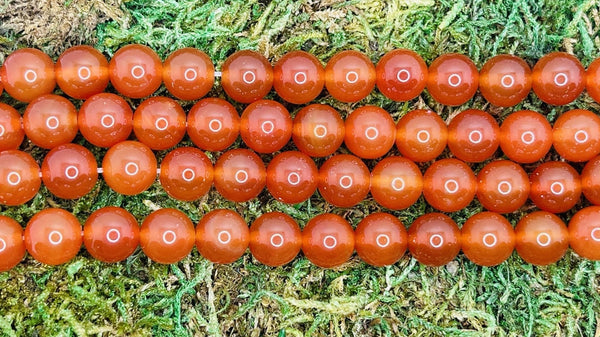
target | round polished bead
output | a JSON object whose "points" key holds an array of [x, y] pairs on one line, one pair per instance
{"points": [[421, 135], [327, 240], [370, 132], [590, 180], [105, 119], [525, 136], [434, 239], [401, 74], [213, 124], [396, 183], [159, 122], [188, 74], [69, 171], [541, 238], [555, 187], [111, 234], [50, 120], [584, 233], [27, 73], [380, 239], [292, 177], [473, 136], [266, 126], [452, 79], [592, 80], [502, 186], [350, 76], [247, 76], [135, 71], [576, 135], [275, 239], [129, 167], [53, 236], [81, 72], [558, 78], [11, 130], [344, 180], [449, 185], [222, 236], [167, 236], [318, 130], [488, 239], [505, 80], [19, 177], [240, 175], [12, 247], [298, 77], [186, 173]]}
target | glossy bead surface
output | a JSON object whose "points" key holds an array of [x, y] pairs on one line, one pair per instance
{"points": [[396, 183], [129, 167], [188, 73], [135, 71], [111, 234], [576, 135], [584, 233], [555, 187], [240, 175], [449, 185], [401, 74], [502, 186], [370, 132], [525, 136], [473, 136], [81, 72], [327, 240], [69, 171], [541, 238], [105, 119], [167, 236], [558, 78], [50, 120], [27, 73], [186, 173], [298, 77], [488, 239], [292, 177], [247, 76], [11, 130], [159, 122], [505, 80], [213, 124], [434, 239], [19, 177], [318, 130], [344, 180], [12, 247], [53, 236], [380, 239], [350, 76], [592, 80], [421, 135], [266, 126], [590, 180], [222, 236], [452, 79], [275, 239]]}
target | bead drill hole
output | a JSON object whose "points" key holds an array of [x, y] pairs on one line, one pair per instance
{"points": [[595, 234], [543, 239], [487, 242], [382, 240], [320, 131], [352, 77], [267, 127], [561, 79], [107, 121], [507, 81], [138, 72], [190, 74], [52, 122], [504, 187], [241, 176], [224, 237], [276, 240], [436, 241], [557, 188], [84, 73], [188, 174], [71, 172], [132, 169], [161, 124], [169, 237], [345, 182], [30, 76], [454, 80], [13, 178], [300, 77], [451, 186], [371, 133], [581, 137], [215, 125], [249, 77], [329, 242], [403, 75], [293, 178], [113, 235], [475, 136], [398, 184], [55, 237], [528, 137], [423, 136]]}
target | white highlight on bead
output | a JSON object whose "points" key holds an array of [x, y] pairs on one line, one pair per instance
{"points": [[84, 73], [30, 76], [385, 238], [486, 241], [52, 122], [439, 238], [188, 174], [528, 137], [345, 182], [111, 121], [454, 80], [422, 139], [293, 178], [504, 187], [473, 134], [215, 128], [330, 238], [161, 124], [250, 80], [113, 235], [561, 79], [225, 240], [278, 237], [578, 137], [398, 181], [557, 191], [138, 72], [546, 239], [595, 234], [190, 74], [135, 167], [509, 83], [267, 127], [354, 74], [300, 77], [13, 178], [2, 130], [172, 235], [448, 187], [403, 75], [55, 237], [241, 176], [320, 131], [3, 245], [71, 172], [371, 133]]}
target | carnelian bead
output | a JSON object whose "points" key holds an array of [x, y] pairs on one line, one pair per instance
{"points": [[129, 167], [53, 236], [421, 135], [449, 185], [396, 183], [590, 180], [50, 121], [318, 130], [12, 247], [111, 234], [81, 72], [505, 80], [555, 187], [11, 130], [473, 136], [266, 126], [434, 239], [159, 122], [584, 233], [487, 238], [247, 76], [188, 74], [19, 177], [275, 239], [380, 239], [222, 236], [167, 236], [370, 132], [292, 177], [541, 238], [213, 124], [28, 73], [525, 136], [592, 80], [186, 173], [344, 180], [69, 171], [453, 79], [401, 74], [135, 71], [576, 135], [327, 240], [558, 78], [502, 186], [298, 77], [240, 175], [105, 119], [350, 76]]}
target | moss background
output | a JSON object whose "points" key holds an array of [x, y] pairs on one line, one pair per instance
{"points": [[195, 297]]}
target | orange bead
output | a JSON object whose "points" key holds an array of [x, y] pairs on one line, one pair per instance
{"points": [[525, 136], [81, 72], [555, 187], [558, 78], [50, 121], [370, 132], [292, 177], [576, 135], [298, 77], [222, 236], [541, 238], [186, 173], [53, 236], [434, 239], [344, 180], [135, 71], [105, 119], [188, 74], [240, 175], [159, 122], [590, 180], [129, 167], [327, 240], [421, 135], [111, 234], [592, 80], [69, 171], [401, 74], [12, 247], [167, 236], [19, 177], [449, 185], [584, 233], [27, 73], [473, 136], [453, 79], [213, 124], [488, 239], [11, 130], [350, 76], [247, 76], [266, 126], [505, 80], [318, 130], [396, 183], [502, 186], [275, 239], [380, 239]]}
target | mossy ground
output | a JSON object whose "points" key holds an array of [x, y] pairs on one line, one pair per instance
{"points": [[194, 297]]}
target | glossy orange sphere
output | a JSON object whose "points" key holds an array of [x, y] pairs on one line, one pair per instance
{"points": [[505, 80], [488, 239], [19, 177], [12, 247], [434, 239], [555, 187], [222, 236], [11, 130], [576, 135], [380, 239], [502, 186], [525, 136], [159, 122], [318, 130], [449, 185], [69, 171], [592, 80], [558, 78], [167, 236], [327, 240], [135, 71], [401, 74], [396, 183], [453, 79], [541, 238], [421, 135], [129, 167], [213, 124], [350, 76], [344, 180], [27, 73], [240, 175], [370, 132], [188, 74], [292, 177], [81, 72], [105, 119], [275, 239], [53, 236], [590, 180], [247, 76], [186, 173], [266, 126], [584, 233], [50, 120], [298, 77], [111, 234], [473, 136]]}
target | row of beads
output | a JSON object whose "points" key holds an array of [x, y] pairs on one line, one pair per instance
{"points": [[298, 77]]}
